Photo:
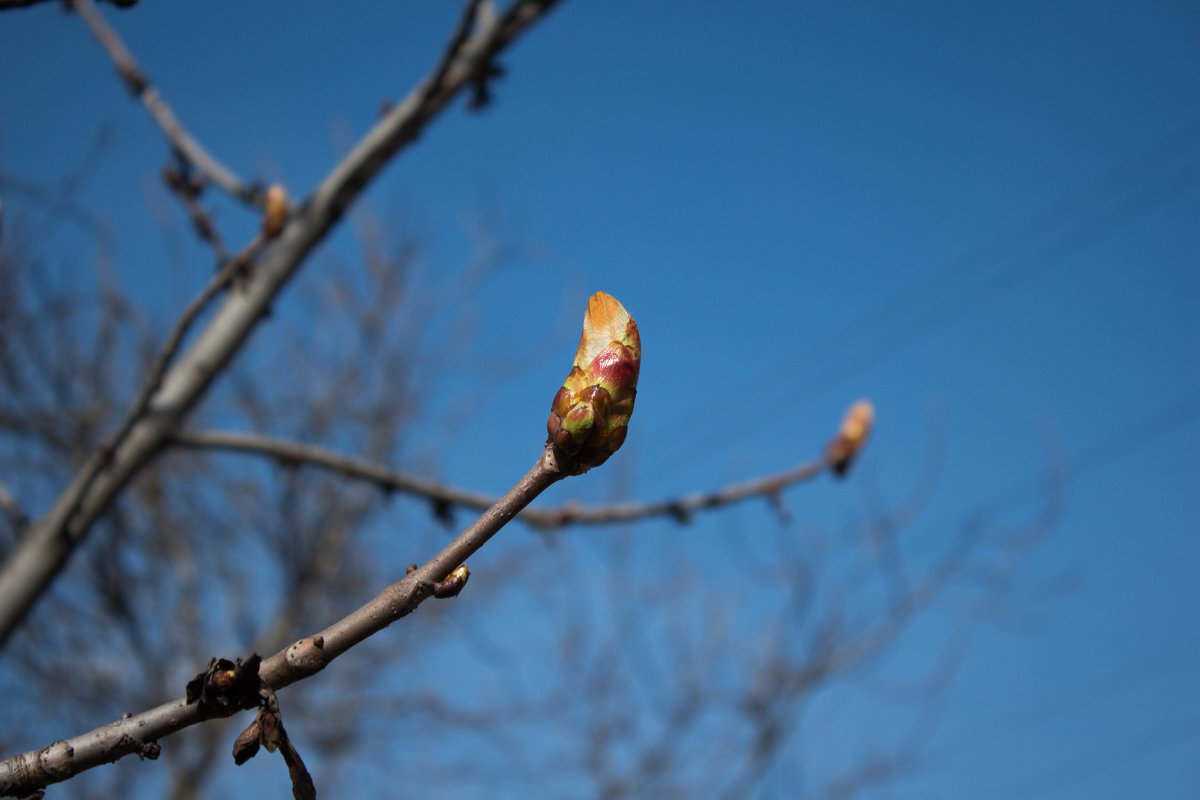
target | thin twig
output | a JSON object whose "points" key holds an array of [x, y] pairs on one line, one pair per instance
{"points": [[12, 509], [44, 551], [443, 495], [138, 82], [28, 772], [188, 189]]}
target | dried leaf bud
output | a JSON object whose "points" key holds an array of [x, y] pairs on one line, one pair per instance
{"points": [[851, 437], [275, 211], [590, 413], [246, 745]]}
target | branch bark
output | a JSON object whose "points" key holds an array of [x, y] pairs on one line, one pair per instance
{"points": [[27, 772], [49, 543]]}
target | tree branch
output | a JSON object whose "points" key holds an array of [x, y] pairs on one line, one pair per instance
{"points": [[27, 772], [138, 82], [443, 495], [45, 549]]}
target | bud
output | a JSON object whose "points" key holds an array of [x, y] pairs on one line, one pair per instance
{"points": [[856, 427], [275, 211], [453, 584], [590, 414]]}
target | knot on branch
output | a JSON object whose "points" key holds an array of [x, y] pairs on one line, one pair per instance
{"points": [[307, 655], [679, 511], [146, 751], [55, 758]]}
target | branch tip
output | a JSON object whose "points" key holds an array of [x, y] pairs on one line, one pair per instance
{"points": [[851, 437], [589, 416]]}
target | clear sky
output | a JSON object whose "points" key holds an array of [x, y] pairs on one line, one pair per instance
{"points": [[983, 216]]}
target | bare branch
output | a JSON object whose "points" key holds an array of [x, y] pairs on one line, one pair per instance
{"points": [[444, 495], [45, 549], [27, 772], [137, 81]]}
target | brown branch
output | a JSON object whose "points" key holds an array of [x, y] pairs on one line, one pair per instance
{"points": [[444, 495], [45, 549], [28, 772], [138, 82]]}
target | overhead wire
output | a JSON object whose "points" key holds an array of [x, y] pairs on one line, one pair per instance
{"points": [[940, 296], [1138, 434], [1098, 761], [1119, 679]]}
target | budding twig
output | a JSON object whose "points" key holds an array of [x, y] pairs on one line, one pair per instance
{"points": [[58, 761], [224, 688]]}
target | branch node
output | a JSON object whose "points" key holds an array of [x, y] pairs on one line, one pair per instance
{"points": [[680, 512], [145, 751], [55, 759], [307, 655], [134, 78], [481, 87], [225, 686]]}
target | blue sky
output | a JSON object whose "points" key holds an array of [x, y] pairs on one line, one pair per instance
{"points": [[983, 216]]}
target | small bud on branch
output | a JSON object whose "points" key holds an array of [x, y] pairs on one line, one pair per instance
{"points": [[453, 584], [590, 413], [225, 684], [851, 437], [276, 210]]}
